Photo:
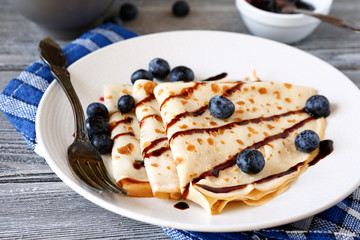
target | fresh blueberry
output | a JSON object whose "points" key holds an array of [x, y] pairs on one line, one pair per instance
{"points": [[128, 12], [221, 107], [126, 103], [318, 106], [97, 125], [159, 68], [97, 109], [181, 73], [102, 142], [250, 161], [180, 8], [141, 74], [307, 141]]}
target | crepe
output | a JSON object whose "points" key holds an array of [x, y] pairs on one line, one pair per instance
{"points": [[127, 163], [267, 117], [159, 162]]}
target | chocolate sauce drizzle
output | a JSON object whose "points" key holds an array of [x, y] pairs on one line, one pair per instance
{"points": [[184, 93], [156, 152], [178, 117], [325, 148], [123, 134], [216, 77], [232, 161], [147, 99], [181, 205], [231, 125], [155, 116], [202, 109], [126, 120], [152, 145], [137, 164]]}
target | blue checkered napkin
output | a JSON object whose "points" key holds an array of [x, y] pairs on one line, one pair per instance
{"points": [[20, 98], [339, 222]]}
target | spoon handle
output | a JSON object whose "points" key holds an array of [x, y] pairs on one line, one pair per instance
{"points": [[354, 26]]}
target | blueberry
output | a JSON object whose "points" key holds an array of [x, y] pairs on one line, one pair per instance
{"points": [[128, 12], [141, 74], [250, 161], [181, 73], [318, 106], [307, 141], [97, 109], [103, 143], [221, 107], [159, 68], [126, 103], [96, 125], [180, 8]]}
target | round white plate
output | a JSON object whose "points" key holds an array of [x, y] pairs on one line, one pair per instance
{"points": [[209, 53]]}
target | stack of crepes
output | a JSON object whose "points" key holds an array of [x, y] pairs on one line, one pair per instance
{"points": [[172, 147]]}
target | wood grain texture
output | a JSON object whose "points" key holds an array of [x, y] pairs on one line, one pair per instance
{"points": [[35, 203]]}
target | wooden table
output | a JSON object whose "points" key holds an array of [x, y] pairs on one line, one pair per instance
{"points": [[35, 203]]}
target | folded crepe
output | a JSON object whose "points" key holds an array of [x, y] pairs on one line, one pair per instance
{"points": [[267, 117], [127, 163], [154, 145]]}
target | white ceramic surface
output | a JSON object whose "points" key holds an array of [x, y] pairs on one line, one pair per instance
{"points": [[287, 28], [209, 53]]}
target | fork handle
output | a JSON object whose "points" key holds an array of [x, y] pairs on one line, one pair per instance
{"points": [[62, 76]]}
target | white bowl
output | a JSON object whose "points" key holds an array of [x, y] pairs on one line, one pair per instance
{"points": [[287, 28]]}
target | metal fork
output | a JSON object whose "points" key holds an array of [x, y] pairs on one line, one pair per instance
{"points": [[83, 158]]}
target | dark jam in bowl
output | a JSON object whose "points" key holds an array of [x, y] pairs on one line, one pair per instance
{"points": [[272, 6]]}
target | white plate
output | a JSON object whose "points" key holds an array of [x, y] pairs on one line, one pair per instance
{"points": [[209, 53]]}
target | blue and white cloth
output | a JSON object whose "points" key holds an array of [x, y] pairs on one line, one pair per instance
{"points": [[20, 99]]}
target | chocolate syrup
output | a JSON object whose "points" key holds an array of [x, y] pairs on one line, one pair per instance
{"points": [[235, 88], [223, 189], [185, 93], [152, 145], [126, 120], [233, 124], [178, 117], [156, 116], [156, 152], [325, 148], [203, 109], [232, 161], [122, 134], [147, 99], [217, 77], [137, 164], [181, 205]]}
